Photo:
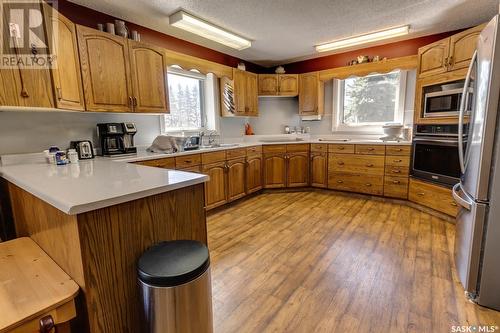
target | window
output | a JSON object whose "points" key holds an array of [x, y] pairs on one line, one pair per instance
{"points": [[366, 103], [187, 101]]}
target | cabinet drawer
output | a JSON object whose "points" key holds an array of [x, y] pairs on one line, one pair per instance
{"points": [[319, 147], [274, 149], [370, 149], [341, 148], [196, 169], [187, 161], [166, 163], [396, 187], [372, 165], [397, 150], [256, 150], [298, 147], [397, 165], [356, 183], [213, 157], [433, 196], [236, 153]]}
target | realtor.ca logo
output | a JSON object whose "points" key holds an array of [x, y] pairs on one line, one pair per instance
{"points": [[29, 32]]}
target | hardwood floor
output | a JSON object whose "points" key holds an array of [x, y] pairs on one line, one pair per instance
{"points": [[326, 262]]}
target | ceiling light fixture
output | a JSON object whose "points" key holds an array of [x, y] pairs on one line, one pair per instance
{"points": [[363, 39], [188, 22]]}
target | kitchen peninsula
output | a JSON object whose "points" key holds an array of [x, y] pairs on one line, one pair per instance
{"points": [[95, 218]]}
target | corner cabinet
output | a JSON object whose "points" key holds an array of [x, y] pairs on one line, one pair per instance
{"points": [[66, 74], [120, 75], [311, 94], [242, 91]]}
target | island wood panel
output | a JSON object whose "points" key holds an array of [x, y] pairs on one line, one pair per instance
{"points": [[99, 249]]}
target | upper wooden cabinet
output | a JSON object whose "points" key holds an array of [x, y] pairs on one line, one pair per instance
{"points": [[241, 94], [66, 74], [448, 54], [149, 77], [105, 71], [311, 94], [278, 85]]}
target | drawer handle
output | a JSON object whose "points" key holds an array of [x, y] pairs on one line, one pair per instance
{"points": [[369, 165], [396, 182], [368, 184], [340, 148], [398, 161], [396, 171], [188, 161], [371, 149], [340, 163], [340, 181], [399, 149], [421, 194], [454, 204]]}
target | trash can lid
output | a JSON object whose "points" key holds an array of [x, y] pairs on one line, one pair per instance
{"points": [[173, 263]]}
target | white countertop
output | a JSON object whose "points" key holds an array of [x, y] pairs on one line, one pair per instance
{"points": [[94, 184]]}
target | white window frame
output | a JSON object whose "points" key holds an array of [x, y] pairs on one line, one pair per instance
{"points": [[196, 75], [367, 128]]}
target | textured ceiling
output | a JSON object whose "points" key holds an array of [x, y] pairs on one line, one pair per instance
{"points": [[287, 30]]}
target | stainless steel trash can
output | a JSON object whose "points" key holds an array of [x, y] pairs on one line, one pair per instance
{"points": [[176, 290]]}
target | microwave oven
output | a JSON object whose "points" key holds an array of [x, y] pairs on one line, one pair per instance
{"points": [[446, 103]]}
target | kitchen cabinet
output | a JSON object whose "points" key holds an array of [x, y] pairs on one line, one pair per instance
{"points": [[297, 169], [244, 94], [278, 85], [148, 65], [65, 73], [275, 170], [433, 196], [215, 188], [254, 173], [311, 94], [449, 54], [106, 75], [319, 167], [236, 179], [356, 182]]}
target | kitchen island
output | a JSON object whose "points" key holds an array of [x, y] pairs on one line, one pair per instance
{"points": [[95, 219]]}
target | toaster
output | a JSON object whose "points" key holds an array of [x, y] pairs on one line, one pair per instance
{"points": [[83, 148]]}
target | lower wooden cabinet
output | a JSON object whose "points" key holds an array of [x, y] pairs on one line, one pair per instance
{"points": [[275, 170], [319, 169], [297, 169], [353, 182], [432, 196], [254, 173], [215, 188], [396, 187], [236, 179]]}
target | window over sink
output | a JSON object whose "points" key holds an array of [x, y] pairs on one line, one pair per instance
{"points": [[364, 104]]}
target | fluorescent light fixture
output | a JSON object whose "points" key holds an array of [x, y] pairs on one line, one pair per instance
{"points": [[363, 39], [188, 22]]}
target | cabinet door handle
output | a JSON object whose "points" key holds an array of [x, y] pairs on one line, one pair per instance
{"points": [[369, 165], [421, 194], [340, 163], [134, 101], [396, 182], [59, 93], [450, 62], [368, 184], [398, 161], [340, 181], [130, 102], [454, 204], [446, 62]]}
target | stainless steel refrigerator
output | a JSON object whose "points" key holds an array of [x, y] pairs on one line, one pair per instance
{"points": [[477, 240]]}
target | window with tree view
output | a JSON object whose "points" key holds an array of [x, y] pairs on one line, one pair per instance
{"points": [[371, 100], [186, 101]]}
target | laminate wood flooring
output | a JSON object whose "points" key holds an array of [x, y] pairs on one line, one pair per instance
{"points": [[321, 261]]}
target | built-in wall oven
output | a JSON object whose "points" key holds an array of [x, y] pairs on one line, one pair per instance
{"points": [[435, 154]]}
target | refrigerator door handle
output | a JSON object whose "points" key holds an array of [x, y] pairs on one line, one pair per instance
{"points": [[459, 199], [462, 112]]}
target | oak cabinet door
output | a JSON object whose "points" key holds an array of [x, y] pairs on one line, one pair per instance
{"points": [[310, 94], [148, 65], [462, 47], [288, 84], [268, 84], [215, 188], [239, 94], [298, 170], [251, 99], [433, 58], [319, 166], [254, 174], [236, 179], [274, 171], [66, 73], [105, 71]]}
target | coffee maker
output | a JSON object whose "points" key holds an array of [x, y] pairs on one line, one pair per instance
{"points": [[117, 138]]}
